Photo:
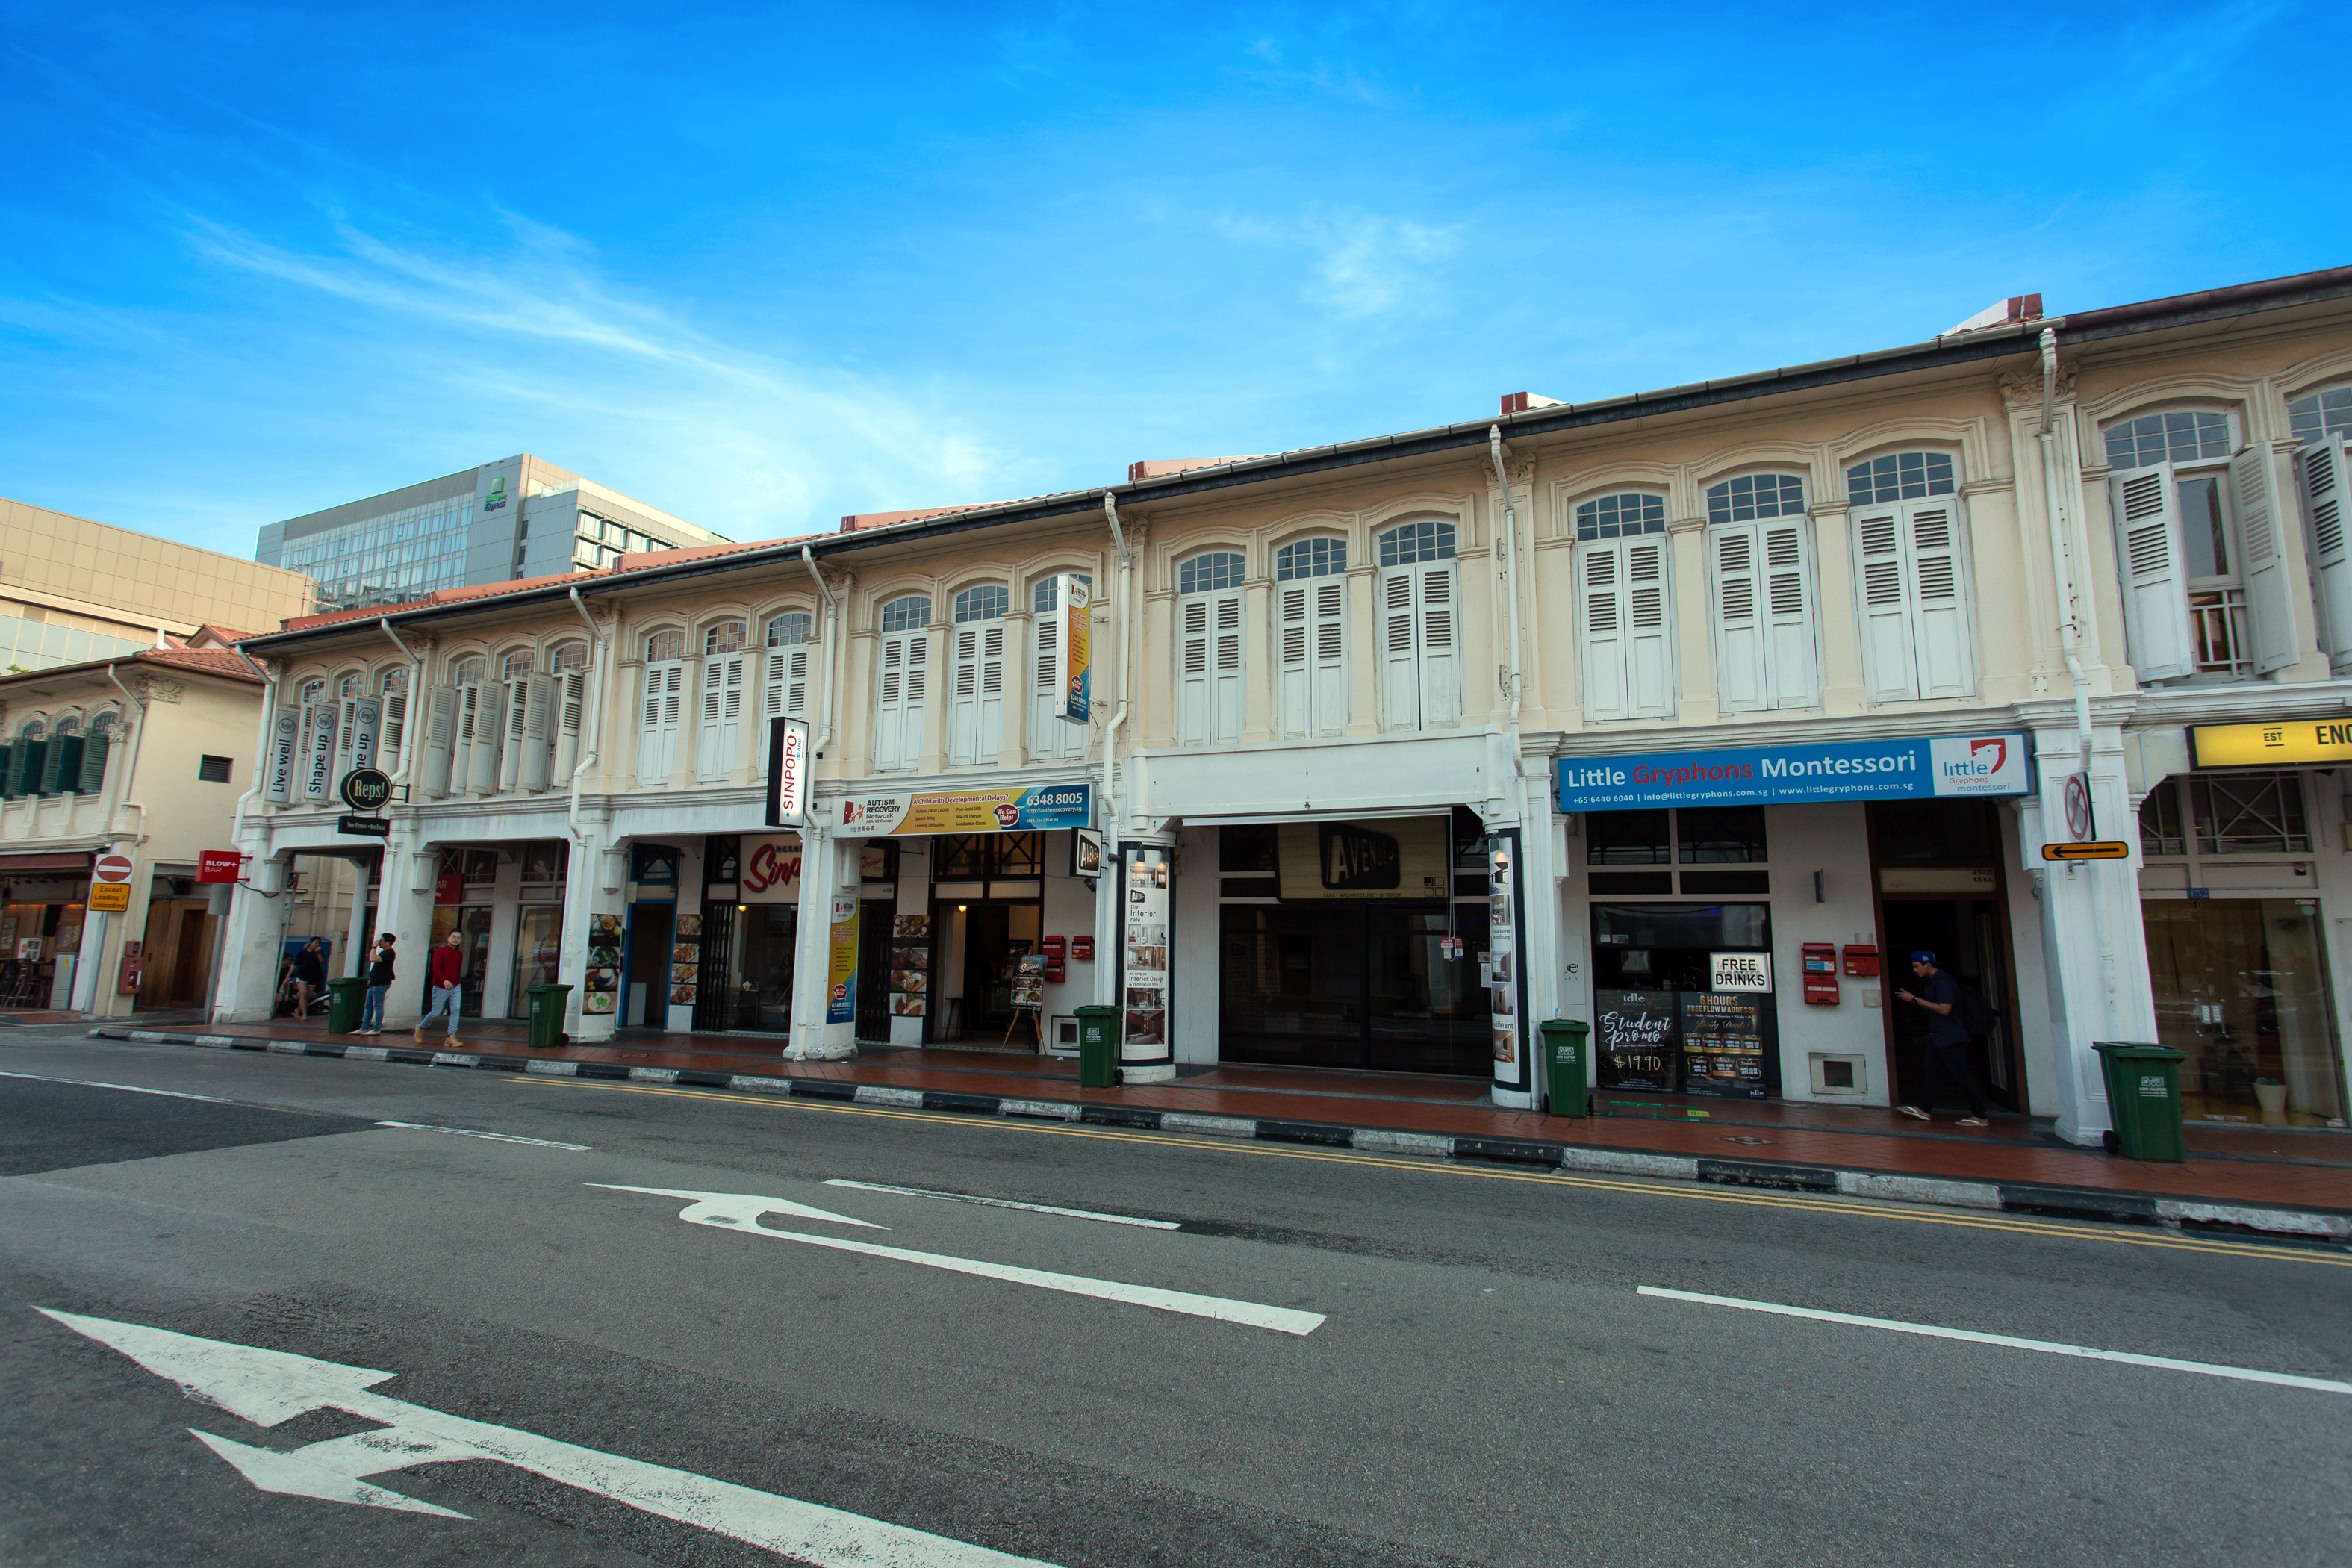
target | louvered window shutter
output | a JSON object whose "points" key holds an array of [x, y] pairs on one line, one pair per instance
{"points": [[1400, 667], [93, 762], [899, 718], [663, 696], [784, 692], [2155, 579], [1788, 609], [2261, 533], [1209, 694], [1943, 634], [1440, 652], [721, 739], [967, 681], [1888, 668], [1051, 736], [1649, 630], [989, 740], [1310, 649], [395, 727], [1743, 683], [2324, 475], [1601, 616]]}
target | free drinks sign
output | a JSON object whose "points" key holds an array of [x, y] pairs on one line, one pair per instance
{"points": [[1923, 767]]}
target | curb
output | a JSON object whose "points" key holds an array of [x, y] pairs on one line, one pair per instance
{"points": [[2009, 1197]]}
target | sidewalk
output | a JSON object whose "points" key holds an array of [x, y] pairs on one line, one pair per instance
{"points": [[2251, 1178]]}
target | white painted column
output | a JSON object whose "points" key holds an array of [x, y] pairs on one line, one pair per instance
{"points": [[354, 944], [404, 908], [247, 981], [828, 871], [592, 885]]}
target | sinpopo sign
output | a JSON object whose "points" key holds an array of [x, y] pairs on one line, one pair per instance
{"points": [[1402, 858], [1918, 768]]}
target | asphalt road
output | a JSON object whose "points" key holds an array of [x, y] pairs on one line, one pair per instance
{"points": [[1486, 1383]]}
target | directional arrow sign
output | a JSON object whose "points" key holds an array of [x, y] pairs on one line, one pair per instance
{"points": [[2097, 849], [267, 1387]]}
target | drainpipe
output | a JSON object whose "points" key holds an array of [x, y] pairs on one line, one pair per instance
{"points": [[1515, 678], [260, 740], [603, 645], [137, 744], [1118, 617], [2054, 501], [409, 725], [832, 641]]}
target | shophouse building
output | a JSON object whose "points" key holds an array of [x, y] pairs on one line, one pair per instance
{"points": [[117, 775], [1690, 714]]}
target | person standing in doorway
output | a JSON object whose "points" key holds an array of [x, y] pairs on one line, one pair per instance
{"points": [[447, 970], [379, 980], [309, 976], [1938, 996]]}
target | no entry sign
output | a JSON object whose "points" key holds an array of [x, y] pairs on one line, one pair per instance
{"points": [[112, 869]]}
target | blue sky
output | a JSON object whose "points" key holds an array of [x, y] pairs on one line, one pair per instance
{"points": [[762, 266]]}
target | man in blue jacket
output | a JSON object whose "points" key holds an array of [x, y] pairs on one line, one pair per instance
{"points": [[1938, 996]]}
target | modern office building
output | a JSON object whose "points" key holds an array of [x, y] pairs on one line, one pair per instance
{"points": [[72, 590], [518, 517]]}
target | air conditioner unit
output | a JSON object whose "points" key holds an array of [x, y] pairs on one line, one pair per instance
{"points": [[513, 693], [489, 729], [440, 747], [570, 697], [530, 735]]}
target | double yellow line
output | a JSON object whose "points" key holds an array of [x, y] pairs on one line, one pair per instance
{"points": [[1806, 1203]]}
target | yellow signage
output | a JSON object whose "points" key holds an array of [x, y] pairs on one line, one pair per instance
{"points": [[2098, 849], [110, 897], [2282, 745]]}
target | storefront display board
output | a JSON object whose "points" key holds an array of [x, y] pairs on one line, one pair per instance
{"points": [[1723, 1042], [1044, 808], [1637, 1039], [1925, 767]]}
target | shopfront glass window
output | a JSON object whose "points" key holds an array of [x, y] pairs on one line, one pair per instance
{"points": [[1250, 849], [2159, 822], [2258, 814], [1720, 835], [961, 856], [760, 966], [474, 921], [2238, 984], [1020, 854], [539, 940], [1628, 838]]}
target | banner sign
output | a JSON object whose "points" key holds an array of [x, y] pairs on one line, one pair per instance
{"points": [[1918, 768], [324, 720], [1039, 810], [788, 762], [285, 736], [2284, 744], [1078, 647], [770, 872], [841, 966], [1396, 858], [220, 866]]}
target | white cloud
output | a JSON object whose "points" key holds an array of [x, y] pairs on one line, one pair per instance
{"points": [[1363, 264]]}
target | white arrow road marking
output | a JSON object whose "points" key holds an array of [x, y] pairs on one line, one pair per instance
{"points": [[267, 1387], [739, 1208], [125, 1087], [713, 1208], [2050, 1347], [493, 1137], [1005, 1204]]}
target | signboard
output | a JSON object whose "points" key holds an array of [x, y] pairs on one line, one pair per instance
{"points": [[1637, 1040], [788, 762], [2108, 849], [1739, 972], [841, 964], [769, 871], [2279, 745], [319, 753], [2080, 822], [1143, 977], [1502, 966], [110, 898], [364, 826], [1724, 1039], [220, 865], [366, 789], [1078, 647], [1403, 858], [1917, 769], [1042, 810], [112, 869], [367, 719], [285, 739]]}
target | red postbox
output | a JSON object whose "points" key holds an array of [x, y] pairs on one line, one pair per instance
{"points": [[127, 979], [1820, 966], [1057, 971], [1052, 947], [1861, 958], [1082, 948]]}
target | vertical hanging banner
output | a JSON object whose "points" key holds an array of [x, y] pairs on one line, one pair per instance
{"points": [[1144, 970], [1503, 962], [285, 736], [788, 762], [367, 721], [841, 963], [1078, 647], [319, 761]]}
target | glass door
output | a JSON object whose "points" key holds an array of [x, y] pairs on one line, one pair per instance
{"points": [[538, 941], [474, 921], [2239, 986]]}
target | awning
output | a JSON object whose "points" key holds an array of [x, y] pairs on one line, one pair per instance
{"points": [[44, 860]]}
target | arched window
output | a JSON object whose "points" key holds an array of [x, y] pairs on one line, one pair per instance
{"points": [[1051, 738], [1310, 558], [313, 691], [976, 676], [68, 724], [1621, 516], [351, 685], [986, 602], [2320, 416], [566, 656], [1212, 572], [791, 628], [105, 724], [2176, 435], [1760, 591], [725, 665], [786, 686], [661, 703], [1910, 549], [901, 681], [468, 672], [1421, 676], [516, 665]]}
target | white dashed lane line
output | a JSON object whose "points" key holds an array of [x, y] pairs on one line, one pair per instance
{"points": [[1006, 1204]]}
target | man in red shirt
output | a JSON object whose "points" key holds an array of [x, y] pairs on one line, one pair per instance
{"points": [[448, 969]]}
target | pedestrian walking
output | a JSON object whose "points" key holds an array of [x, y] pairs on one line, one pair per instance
{"points": [[447, 970], [380, 976], [309, 976], [1938, 996]]}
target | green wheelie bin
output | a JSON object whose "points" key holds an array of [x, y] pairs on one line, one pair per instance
{"points": [[346, 999], [2143, 1099], [1097, 1047], [548, 1006], [1564, 1040]]}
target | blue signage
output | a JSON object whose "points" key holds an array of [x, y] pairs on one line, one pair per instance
{"points": [[1914, 768]]}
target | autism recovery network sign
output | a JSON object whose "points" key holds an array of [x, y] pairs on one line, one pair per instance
{"points": [[1917, 768]]}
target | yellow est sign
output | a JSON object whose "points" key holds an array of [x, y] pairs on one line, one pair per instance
{"points": [[2100, 850], [110, 897]]}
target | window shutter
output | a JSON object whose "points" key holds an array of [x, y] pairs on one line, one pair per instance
{"points": [[347, 739], [1941, 634], [660, 701], [53, 765], [899, 692], [93, 762], [965, 697], [395, 727], [440, 743], [2155, 579], [2261, 533], [1601, 628], [1441, 660], [1209, 670], [1649, 630], [1399, 670], [1742, 681], [570, 698], [1888, 669], [536, 731], [1795, 651], [1051, 736], [517, 692], [489, 731], [716, 747], [2324, 475], [990, 741], [1310, 649], [783, 693]]}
